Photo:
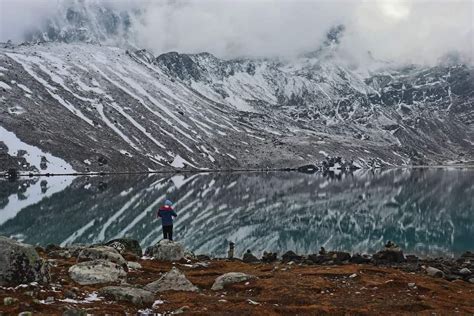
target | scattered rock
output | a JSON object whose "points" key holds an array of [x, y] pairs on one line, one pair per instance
{"points": [[203, 257], [96, 272], [102, 252], [25, 314], [359, 259], [249, 257], [269, 257], [20, 263], [180, 310], [134, 265], [291, 256], [464, 271], [390, 254], [173, 280], [128, 294], [166, 250], [412, 286], [434, 272], [9, 301], [230, 278], [62, 253], [471, 280], [75, 312], [124, 245]]}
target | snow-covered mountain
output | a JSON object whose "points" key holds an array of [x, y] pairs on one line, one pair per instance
{"points": [[81, 93]]}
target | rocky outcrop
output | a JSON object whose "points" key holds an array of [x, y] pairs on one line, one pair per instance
{"points": [[20, 263], [230, 278], [96, 272], [133, 295], [166, 250], [102, 252], [125, 245], [174, 280]]}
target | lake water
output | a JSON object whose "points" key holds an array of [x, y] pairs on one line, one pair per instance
{"points": [[425, 211]]}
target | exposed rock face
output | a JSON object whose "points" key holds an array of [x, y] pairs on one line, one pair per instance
{"points": [[96, 272], [124, 245], [129, 294], [167, 250], [174, 280], [230, 278], [102, 252], [20, 263]]}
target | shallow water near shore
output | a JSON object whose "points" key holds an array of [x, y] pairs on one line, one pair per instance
{"points": [[428, 212]]}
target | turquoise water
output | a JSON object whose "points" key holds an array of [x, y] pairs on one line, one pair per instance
{"points": [[426, 211]]}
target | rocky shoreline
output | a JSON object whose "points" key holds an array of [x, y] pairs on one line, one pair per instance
{"points": [[118, 277]]}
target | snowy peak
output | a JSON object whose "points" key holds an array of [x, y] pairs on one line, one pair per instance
{"points": [[86, 21]]}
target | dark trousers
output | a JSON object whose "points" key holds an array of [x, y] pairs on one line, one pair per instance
{"points": [[168, 232]]}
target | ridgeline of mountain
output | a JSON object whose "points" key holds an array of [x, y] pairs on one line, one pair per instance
{"points": [[93, 107]]}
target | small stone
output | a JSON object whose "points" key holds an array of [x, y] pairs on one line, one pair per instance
{"points": [[174, 280], [412, 286], [434, 272], [49, 300], [128, 294], [230, 278], [249, 257], [25, 314], [354, 275], [9, 301], [70, 294], [75, 312], [464, 271], [471, 280], [181, 310], [134, 265]]}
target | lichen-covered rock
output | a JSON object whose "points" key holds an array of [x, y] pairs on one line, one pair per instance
{"points": [[128, 294], [20, 263], [102, 252], [230, 278], [124, 245], [167, 250], [174, 280], [96, 272]]}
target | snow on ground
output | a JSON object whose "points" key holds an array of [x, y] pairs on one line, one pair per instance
{"points": [[34, 155]]}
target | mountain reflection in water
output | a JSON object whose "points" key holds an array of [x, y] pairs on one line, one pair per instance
{"points": [[426, 211]]}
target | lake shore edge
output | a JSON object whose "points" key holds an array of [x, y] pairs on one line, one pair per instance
{"points": [[166, 279]]}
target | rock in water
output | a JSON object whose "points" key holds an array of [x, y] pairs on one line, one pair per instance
{"points": [[124, 245], [230, 278], [174, 280], [249, 257], [20, 263], [167, 250], [434, 272], [128, 294], [102, 252], [96, 272]]}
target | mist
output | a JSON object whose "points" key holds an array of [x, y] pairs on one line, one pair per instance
{"points": [[416, 31]]}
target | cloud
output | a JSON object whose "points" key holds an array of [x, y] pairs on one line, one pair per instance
{"points": [[418, 31]]}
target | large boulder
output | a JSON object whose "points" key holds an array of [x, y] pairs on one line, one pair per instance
{"points": [[173, 280], [166, 250], [20, 263], [102, 252], [96, 272], [390, 254], [124, 245], [230, 278], [128, 294]]}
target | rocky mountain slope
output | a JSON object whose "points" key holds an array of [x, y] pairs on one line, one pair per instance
{"points": [[80, 92]]}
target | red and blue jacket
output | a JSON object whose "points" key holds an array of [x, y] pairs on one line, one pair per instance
{"points": [[167, 215]]}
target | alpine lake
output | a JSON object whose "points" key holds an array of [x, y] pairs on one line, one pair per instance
{"points": [[426, 211]]}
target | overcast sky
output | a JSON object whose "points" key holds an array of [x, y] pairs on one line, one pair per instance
{"points": [[418, 31]]}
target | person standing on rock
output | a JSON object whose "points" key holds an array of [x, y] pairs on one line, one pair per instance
{"points": [[167, 215]]}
